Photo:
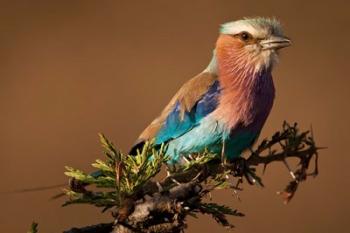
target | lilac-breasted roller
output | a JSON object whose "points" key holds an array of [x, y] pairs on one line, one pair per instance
{"points": [[224, 108]]}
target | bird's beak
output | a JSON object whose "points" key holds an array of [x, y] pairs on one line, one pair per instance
{"points": [[275, 42]]}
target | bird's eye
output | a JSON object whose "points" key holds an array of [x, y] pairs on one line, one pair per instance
{"points": [[245, 36]]}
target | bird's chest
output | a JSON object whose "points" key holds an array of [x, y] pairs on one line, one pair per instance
{"points": [[244, 122], [249, 109], [253, 109]]}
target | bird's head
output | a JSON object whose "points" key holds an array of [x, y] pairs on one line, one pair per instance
{"points": [[250, 43]]}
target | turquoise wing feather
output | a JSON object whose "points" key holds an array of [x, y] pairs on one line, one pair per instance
{"points": [[196, 98], [177, 125]]}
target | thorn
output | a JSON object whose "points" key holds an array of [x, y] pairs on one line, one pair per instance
{"points": [[198, 175], [250, 178], [236, 195], [186, 160], [160, 188], [264, 168], [286, 196], [239, 181], [290, 170], [292, 175], [210, 196], [175, 181]]}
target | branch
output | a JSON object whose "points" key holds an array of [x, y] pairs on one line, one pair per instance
{"points": [[141, 203], [292, 145]]}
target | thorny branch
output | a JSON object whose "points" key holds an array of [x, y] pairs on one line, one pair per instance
{"points": [[140, 203]]}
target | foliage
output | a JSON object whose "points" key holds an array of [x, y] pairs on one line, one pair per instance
{"points": [[218, 212], [127, 184], [122, 175]]}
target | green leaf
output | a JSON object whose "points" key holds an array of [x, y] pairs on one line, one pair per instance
{"points": [[133, 173]]}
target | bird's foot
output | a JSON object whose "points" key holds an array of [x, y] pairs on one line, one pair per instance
{"points": [[239, 167]]}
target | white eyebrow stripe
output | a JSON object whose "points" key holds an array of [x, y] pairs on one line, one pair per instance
{"points": [[258, 27], [233, 28]]}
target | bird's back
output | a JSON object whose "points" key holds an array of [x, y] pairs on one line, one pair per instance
{"points": [[195, 99]]}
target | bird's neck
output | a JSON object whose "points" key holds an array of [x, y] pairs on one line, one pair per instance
{"points": [[245, 79], [236, 76], [246, 93]]}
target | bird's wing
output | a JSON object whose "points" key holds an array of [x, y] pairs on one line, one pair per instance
{"points": [[195, 99]]}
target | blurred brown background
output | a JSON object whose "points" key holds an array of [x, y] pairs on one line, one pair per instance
{"points": [[71, 69]]}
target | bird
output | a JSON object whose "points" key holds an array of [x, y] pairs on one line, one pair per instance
{"points": [[224, 108]]}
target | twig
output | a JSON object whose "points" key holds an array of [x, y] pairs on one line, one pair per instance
{"points": [[145, 205]]}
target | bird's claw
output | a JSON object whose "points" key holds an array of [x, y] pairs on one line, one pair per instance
{"points": [[239, 167]]}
